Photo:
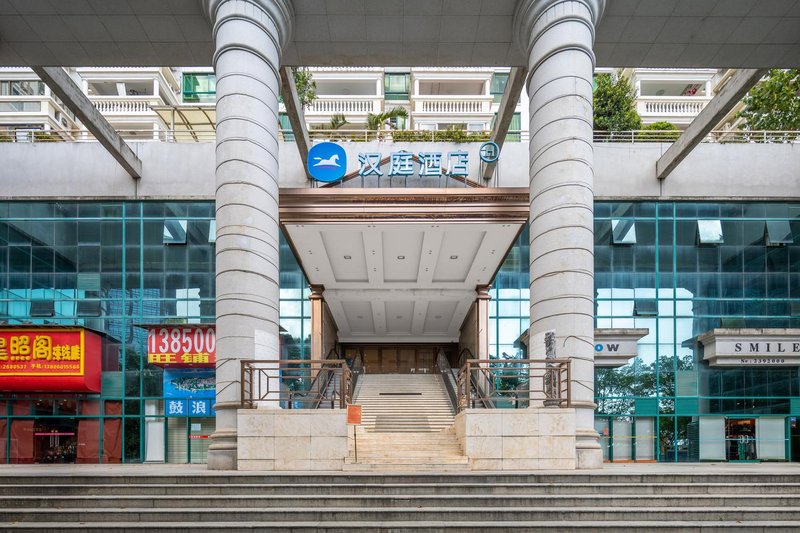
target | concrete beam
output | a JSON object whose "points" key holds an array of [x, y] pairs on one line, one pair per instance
{"points": [[296, 116], [62, 85], [719, 106], [516, 80]]}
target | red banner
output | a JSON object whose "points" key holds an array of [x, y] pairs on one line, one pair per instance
{"points": [[49, 359], [182, 346]]}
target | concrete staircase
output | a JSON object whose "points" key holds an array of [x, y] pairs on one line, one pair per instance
{"points": [[403, 403], [164, 498], [407, 425]]}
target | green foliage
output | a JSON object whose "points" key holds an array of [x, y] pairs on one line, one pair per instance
{"points": [[449, 135], [337, 121], [774, 102], [306, 86], [379, 121], [661, 132], [614, 105]]}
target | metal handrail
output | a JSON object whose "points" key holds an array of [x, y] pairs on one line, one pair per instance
{"points": [[546, 381], [271, 381], [443, 368], [207, 133]]}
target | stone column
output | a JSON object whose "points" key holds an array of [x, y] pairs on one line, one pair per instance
{"points": [[317, 322], [249, 35], [557, 38], [482, 318]]}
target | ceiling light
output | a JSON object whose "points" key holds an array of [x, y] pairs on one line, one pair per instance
{"points": [[398, 317], [437, 317], [348, 257], [401, 257], [360, 317], [453, 257]]}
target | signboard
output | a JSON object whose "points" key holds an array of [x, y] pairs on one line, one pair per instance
{"points": [[49, 359], [327, 162], [751, 347], [354, 415], [189, 392], [614, 348], [183, 345]]}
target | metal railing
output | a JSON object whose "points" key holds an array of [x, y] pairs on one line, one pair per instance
{"points": [[514, 383], [208, 134], [443, 368], [296, 384]]}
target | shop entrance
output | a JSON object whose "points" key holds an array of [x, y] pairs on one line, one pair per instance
{"points": [[55, 440], [398, 358], [740, 439]]}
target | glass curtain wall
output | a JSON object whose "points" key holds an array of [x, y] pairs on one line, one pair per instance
{"points": [[111, 267]]}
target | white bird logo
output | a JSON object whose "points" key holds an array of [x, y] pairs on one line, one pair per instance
{"points": [[330, 162]]}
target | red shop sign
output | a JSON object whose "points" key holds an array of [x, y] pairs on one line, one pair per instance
{"points": [[51, 359], [192, 346]]}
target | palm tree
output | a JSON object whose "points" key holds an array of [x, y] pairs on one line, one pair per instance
{"points": [[337, 121], [379, 121]]}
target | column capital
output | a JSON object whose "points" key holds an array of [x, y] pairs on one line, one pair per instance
{"points": [[527, 23], [279, 12], [482, 292], [316, 291]]}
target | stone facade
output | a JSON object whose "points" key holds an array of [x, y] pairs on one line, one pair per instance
{"points": [[524, 439]]}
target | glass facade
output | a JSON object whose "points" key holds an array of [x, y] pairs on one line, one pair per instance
{"points": [[199, 88], [680, 270], [112, 267]]}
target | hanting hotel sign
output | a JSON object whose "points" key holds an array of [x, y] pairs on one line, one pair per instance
{"points": [[751, 347]]}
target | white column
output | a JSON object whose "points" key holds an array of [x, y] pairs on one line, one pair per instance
{"points": [[557, 36], [250, 35]]}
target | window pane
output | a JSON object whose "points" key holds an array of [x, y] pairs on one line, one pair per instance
{"points": [[709, 232]]}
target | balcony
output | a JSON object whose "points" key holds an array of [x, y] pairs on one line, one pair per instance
{"points": [[449, 105], [126, 105], [346, 105], [675, 109]]}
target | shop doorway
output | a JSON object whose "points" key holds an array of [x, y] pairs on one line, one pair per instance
{"points": [[55, 440], [794, 439], [740, 439]]}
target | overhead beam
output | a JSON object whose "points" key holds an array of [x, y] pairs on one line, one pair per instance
{"points": [[65, 88], [516, 79], [296, 116], [719, 106]]}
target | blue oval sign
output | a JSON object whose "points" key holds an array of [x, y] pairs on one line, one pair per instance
{"points": [[327, 162]]}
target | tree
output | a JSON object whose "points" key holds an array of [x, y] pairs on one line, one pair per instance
{"points": [[306, 86], [662, 131], [774, 102], [614, 106], [379, 121]]}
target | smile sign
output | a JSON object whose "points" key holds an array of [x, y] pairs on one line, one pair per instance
{"points": [[327, 162]]}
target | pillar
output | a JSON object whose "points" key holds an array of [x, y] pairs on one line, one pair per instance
{"points": [[557, 37], [317, 322], [482, 300], [249, 35]]}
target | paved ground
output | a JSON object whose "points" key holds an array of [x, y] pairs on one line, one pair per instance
{"points": [[625, 468]]}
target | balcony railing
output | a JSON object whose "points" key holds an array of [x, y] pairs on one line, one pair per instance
{"points": [[675, 106], [351, 105], [453, 104], [126, 105], [343, 135], [514, 383], [296, 384]]}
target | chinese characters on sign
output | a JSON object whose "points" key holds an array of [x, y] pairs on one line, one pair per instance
{"points": [[189, 408], [181, 346], [189, 392], [49, 358], [430, 164]]}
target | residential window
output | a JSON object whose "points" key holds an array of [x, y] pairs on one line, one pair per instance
{"points": [[200, 88], [21, 88], [396, 86], [709, 232], [498, 85]]}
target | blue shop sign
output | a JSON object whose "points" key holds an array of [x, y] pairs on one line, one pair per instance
{"points": [[189, 384], [195, 408], [327, 162]]}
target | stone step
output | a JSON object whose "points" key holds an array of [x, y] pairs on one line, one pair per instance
{"points": [[401, 512], [250, 501]]}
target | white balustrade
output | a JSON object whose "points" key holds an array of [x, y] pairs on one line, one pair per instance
{"points": [[447, 105], [124, 105], [677, 106], [344, 105]]}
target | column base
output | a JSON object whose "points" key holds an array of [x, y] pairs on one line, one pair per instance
{"points": [[588, 454], [222, 453]]}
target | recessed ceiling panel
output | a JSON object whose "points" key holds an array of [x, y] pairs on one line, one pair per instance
{"points": [[345, 249], [458, 251], [401, 254], [359, 317], [399, 316], [439, 317]]}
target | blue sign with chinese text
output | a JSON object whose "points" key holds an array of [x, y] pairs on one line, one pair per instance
{"points": [[189, 384], [327, 162]]}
